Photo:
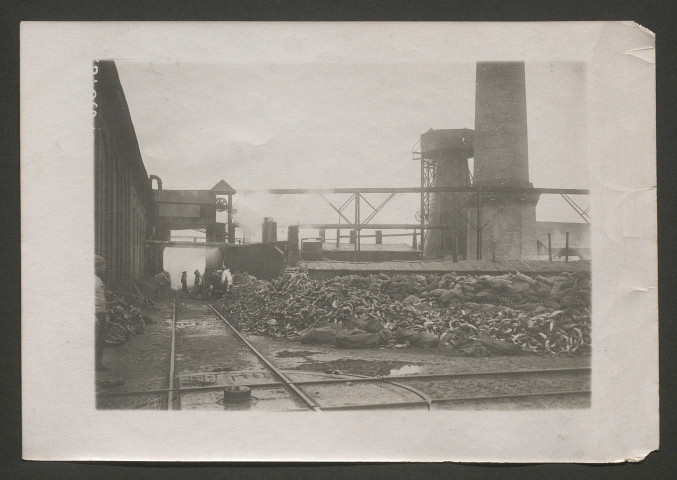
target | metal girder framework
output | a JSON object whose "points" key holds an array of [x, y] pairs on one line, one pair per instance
{"points": [[357, 224], [583, 213], [371, 226], [469, 189], [378, 209], [427, 188], [337, 210]]}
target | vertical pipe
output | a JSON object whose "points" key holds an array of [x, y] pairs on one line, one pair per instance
{"points": [[231, 233], [353, 233], [479, 226], [293, 244], [549, 248], [338, 237], [421, 244], [357, 223], [413, 241], [566, 248]]}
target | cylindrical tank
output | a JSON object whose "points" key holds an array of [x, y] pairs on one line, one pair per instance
{"points": [[269, 230], [449, 150]]}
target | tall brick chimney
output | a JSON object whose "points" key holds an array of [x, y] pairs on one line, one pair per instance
{"points": [[502, 159]]}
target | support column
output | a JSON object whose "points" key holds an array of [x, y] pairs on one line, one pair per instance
{"points": [[422, 199], [231, 230], [293, 245]]}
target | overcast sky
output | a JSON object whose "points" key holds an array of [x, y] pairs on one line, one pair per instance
{"points": [[335, 125]]}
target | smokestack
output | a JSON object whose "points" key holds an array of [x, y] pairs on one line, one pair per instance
{"points": [[501, 142], [502, 159]]}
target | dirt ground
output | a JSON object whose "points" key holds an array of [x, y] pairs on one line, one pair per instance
{"points": [[143, 361], [292, 355]]}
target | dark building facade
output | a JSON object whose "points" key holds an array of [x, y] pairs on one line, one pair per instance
{"points": [[125, 211]]}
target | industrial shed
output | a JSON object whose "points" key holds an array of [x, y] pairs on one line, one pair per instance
{"points": [[125, 209]]}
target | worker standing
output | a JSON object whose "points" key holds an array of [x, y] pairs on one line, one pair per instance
{"points": [[160, 285], [184, 281], [100, 312], [229, 279], [198, 279], [168, 283]]}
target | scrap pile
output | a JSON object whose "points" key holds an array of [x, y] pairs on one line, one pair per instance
{"points": [[124, 319], [469, 315]]}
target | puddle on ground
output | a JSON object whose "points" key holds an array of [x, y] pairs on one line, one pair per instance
{"points": [[294, 353], [406, 370], [370, 368]]}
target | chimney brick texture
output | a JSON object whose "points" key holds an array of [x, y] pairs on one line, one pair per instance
{"points": [[502, 159], [501, 150]]}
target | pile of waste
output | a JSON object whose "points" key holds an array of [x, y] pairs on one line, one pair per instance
{"points": [[124, 319], [470, 315]]}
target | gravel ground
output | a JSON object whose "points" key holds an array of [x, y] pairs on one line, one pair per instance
{"points": [[501, 385], [143, 363], [559, 402]]}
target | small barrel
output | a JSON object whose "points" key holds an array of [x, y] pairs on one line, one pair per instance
{"points": [[236, 394]]}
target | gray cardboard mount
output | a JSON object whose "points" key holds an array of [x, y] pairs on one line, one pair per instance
{"points": [[59, 418]]}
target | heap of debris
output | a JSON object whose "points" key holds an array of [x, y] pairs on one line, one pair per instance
{"points": [[124, 319], [507, 314]]}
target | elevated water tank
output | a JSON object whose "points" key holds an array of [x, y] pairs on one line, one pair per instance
{"points": [[447, 152]]}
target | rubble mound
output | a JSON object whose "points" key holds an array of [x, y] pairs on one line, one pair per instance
{"points": [[470, 315], [124, 319]]}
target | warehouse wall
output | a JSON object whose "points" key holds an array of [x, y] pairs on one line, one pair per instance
{"points": [[124, 205]]}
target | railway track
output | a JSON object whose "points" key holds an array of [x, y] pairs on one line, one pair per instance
{"points": [[198, 327]]}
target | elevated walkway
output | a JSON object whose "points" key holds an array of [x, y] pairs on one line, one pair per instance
{"points": [[323, 269]]}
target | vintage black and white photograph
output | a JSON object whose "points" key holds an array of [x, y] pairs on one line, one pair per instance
{"points": [[341, 236], [338, 242]]}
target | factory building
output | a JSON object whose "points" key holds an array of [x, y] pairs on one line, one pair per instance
{"points": [[483, 224], [484, 213], [125, 209]]}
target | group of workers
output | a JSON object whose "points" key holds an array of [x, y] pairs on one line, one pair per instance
{"points": [[197, 283], [220, 279]]}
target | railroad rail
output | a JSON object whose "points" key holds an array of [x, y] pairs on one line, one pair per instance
{"points": [[297, 390]]}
